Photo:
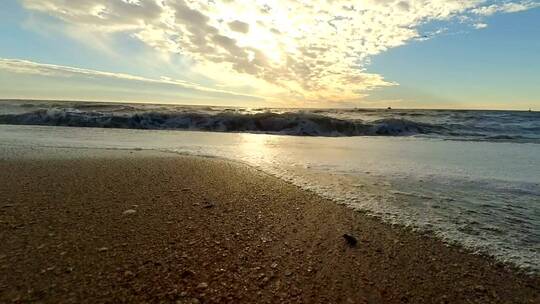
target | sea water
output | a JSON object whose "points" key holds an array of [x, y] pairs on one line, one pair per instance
{"points": [[493, 126]]}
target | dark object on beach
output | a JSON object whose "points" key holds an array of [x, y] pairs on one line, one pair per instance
{"points": [[208, 205], [351, 240], [389, 108]]}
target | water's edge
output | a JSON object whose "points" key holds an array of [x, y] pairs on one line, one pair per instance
{"points": [[302, 186]]}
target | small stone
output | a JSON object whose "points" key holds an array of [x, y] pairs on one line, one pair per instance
{"points": [[351, 240], [202, 285], [103, 249], [128, 273], [129, 211], [479, 288], [274, 265], [187, 273]]}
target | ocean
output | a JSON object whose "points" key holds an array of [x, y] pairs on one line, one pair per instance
{"points": [[494, 126], [467, 177]]}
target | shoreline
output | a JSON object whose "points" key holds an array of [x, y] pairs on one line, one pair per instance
{"points": [[210, 230], [31, 152]]}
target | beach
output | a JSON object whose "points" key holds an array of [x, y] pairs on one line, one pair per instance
{"points": [[197, 152], [96, 225]]}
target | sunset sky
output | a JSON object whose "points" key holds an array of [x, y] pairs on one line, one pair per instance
{"points": [[374, 53]]}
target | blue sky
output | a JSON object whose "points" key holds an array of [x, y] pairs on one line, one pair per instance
{"points": [[498, 65], [443, 54]]}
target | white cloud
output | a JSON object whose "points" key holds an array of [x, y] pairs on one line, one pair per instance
{"points": [[34, 68], [506, 7], [292, 50], [480, 26]]}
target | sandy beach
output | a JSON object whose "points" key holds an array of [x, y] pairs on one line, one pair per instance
{"points": [[102, 226]]}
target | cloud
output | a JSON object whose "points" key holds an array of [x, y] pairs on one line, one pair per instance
{"points": [[479, 26], [33, 68], [106, 15], [239, 26], [507, 7], [292, 50]]}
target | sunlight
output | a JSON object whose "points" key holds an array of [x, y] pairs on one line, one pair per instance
{"points": [[256, 147]]}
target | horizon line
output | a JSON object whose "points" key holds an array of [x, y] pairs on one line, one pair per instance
{"points": [[263, 107]]}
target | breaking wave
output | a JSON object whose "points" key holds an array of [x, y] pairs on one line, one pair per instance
{"points": [[289, 123], [463, 125]]}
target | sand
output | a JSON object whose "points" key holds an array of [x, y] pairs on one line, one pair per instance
{"points": [[134, 226]]}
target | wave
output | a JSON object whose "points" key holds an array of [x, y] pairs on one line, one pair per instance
{"points": [[492, 126], [289, 123]]}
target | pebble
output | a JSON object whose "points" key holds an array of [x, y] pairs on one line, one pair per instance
{"points": [[202, 285], [103, 249], [187, 273], [479, 288], [351, 240], [129, 211]]}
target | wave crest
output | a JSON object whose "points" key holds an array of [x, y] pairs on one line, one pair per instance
{"points": [[289, 123]]}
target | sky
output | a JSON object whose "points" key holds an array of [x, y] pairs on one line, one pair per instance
{"points": [[470, 54]]}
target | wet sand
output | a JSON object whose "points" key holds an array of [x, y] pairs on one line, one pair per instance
{"points": [[121, 226]]}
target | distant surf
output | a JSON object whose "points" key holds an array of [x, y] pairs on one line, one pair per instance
{"points": [[505, 126]]}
